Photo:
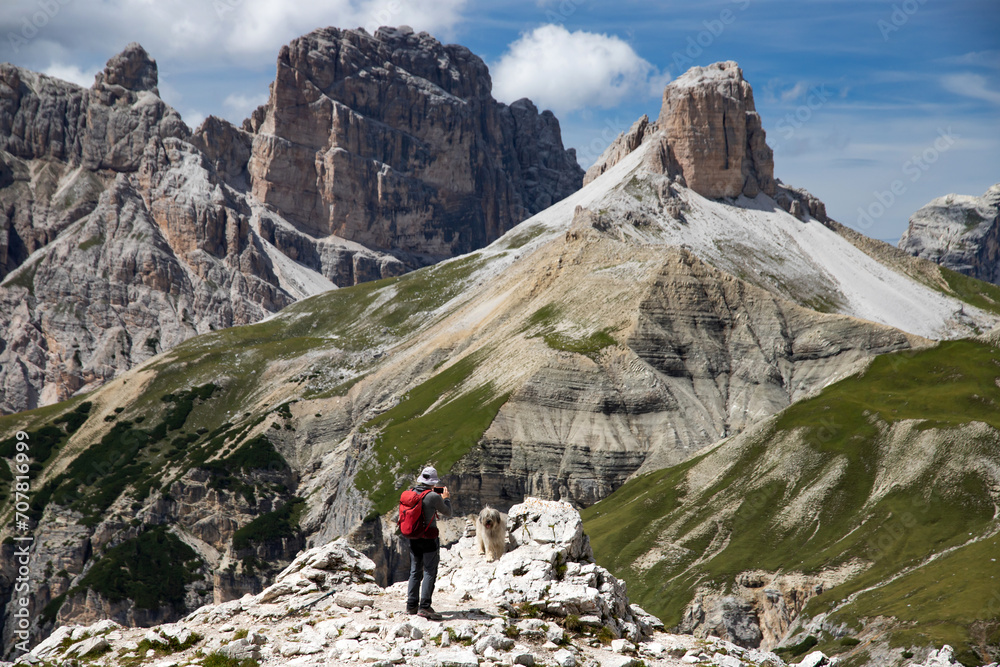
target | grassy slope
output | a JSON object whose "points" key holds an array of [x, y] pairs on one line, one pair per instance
{"points": [[339, 322], [350, 320], [175, 424], [437, 422], [944, 387], [975, 292]]}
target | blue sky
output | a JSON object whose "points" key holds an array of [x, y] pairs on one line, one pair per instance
{"points": [[875, 106]]}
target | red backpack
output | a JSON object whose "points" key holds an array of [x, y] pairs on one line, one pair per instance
{"points": [[411, 520]]}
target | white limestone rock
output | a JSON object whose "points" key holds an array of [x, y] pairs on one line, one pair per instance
{"points": [[88, 647], [564, 658], [240, 649], [352, 599], [457, 659]]}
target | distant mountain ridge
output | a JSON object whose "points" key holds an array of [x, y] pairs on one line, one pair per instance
{"points": [[960, 232], [123, 233]]}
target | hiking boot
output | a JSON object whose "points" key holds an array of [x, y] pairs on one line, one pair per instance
{"points": [[411, 610], [429, 614]]}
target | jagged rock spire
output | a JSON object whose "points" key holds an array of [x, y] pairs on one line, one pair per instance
{"points": [[714, 133], [708, 133], [132, 69]]}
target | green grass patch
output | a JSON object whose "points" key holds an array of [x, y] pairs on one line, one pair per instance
{"points": [[256, 454], [524, 236], [414, 434], [75, 418], [151, 569], [220, 660], [281, 523], [100, 473], [41, 443], [857, 660], [233, 472], [545, 317], [181, 405], [159, 650], [51, 610], [90, 243], [347, 320], [975, 292], [544, 320], [423, 292], [799, 649], [589, 346], [836, 440], [823, 303], [622, 531], [44, 441], [943, 602]]}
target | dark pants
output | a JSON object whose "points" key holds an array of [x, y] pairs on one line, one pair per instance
{"points": [[424, 558]]}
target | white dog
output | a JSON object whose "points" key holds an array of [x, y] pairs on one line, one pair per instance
{"points": [[491, 533]]}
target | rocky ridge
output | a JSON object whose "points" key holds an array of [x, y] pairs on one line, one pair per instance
{"points": [[960, 232], [543, 603], [123, 233]]}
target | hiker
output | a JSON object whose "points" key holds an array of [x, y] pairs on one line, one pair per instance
{"points": [[418, 511]]}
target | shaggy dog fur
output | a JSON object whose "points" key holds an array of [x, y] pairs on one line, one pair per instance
{"points": [[491, 533]]}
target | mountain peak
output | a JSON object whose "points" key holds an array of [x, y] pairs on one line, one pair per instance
{"points": [[395, 142], [708, 134], [132, 69], [724, 72], [714, 134], [960, 232]]}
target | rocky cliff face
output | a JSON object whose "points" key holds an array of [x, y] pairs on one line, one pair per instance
{"points": [[394, 141], [374, 156], [960, 232], [60, 145], [166, 253], [708, 133]]}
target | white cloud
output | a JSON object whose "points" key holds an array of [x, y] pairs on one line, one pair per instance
{"points": [[231, 31], [795, 92], [971, 85], [260, 27], [239, 106], [193, 118], [71, 73], [565, 71], [169, 93], [989, 59]]}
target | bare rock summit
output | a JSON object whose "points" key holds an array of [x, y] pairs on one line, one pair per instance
{"points": [[394, 140], [708, 134], [132, 69], [545, 602], [960, 232]]}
